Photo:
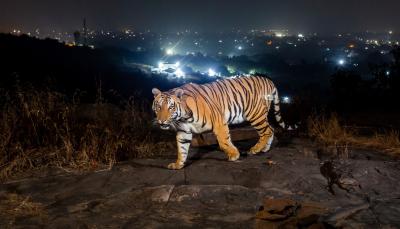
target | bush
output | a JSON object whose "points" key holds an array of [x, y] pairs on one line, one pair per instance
{"points": [[44, 128], [330, 132]]}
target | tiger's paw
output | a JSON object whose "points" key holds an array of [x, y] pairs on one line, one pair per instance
{"points": [[253, 152], [175, 166], [233, 157]]}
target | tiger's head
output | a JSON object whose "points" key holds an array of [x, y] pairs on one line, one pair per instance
{"points": [[167, 107]]}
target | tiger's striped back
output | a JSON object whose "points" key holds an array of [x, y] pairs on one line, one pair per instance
{"points": [[235, 99]]}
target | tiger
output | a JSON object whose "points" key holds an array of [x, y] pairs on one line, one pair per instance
{"points": [[198, 108]]}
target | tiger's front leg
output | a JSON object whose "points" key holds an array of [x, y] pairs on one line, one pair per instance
{"points": [[183, 141], [225, 143]]}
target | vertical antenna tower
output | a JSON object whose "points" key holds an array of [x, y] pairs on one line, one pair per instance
{"points": [[84, 32]]}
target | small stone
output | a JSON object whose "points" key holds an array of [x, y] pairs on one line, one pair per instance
{"points": [[348, 181], [77, 207]]}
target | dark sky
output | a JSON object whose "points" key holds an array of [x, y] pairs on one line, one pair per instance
{"points": [[206, 15]]}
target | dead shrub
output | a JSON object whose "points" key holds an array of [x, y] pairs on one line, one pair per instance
{"points": [[41, 128], [328, 131]]}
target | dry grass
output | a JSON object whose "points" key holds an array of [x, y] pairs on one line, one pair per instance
{"points": [[329, 131], [41, 128], [389, 141], [14, 207]]}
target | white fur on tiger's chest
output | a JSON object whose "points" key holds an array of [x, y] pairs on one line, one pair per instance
{"points": [[195, 127]]}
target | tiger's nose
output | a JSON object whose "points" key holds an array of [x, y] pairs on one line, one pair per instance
{"points": [[162, 122]]}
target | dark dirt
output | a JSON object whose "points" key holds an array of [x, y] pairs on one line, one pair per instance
{"points": [[362, 191]]}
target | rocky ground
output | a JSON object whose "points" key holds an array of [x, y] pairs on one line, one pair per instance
{"points": [[279, 189]]}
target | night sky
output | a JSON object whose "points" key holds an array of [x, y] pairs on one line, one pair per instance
{"points": [[207, 15]]}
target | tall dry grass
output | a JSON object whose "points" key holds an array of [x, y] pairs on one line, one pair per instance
{"points": [[41, 128], [329, 131]]}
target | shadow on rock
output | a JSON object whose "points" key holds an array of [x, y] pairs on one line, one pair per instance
{"points": [[288, 213]]}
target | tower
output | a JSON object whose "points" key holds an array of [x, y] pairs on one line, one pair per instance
{"points": [[84, 32]]}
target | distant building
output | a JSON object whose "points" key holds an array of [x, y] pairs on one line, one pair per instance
{"points": [[81, 38], [77, 38]]}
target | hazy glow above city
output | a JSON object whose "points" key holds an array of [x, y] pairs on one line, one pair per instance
{"points": [[206, 16]]}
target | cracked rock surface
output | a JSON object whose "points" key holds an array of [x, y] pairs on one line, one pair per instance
{"points": [[362, 191]]}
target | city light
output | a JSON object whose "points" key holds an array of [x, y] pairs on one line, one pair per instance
{"points": [[300, 35], [179, 73], [160, 65], [341, 61], [285, 99], [170, 52], [240, 48], [387, 73], [211, 72]]}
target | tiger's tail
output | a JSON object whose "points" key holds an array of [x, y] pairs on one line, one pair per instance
{"points": [[277, 112]]}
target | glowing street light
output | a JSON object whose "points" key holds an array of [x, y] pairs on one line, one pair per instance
{"points": [[300, 35], [240, 47], [341, 61], [179, 73], [170, 52], [285, 99], [211, 72]]}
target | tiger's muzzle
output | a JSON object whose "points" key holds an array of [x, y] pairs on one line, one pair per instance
{"points": [[164, 125]]}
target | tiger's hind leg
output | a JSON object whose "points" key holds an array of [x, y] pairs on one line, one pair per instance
{"points": [[259, 121], [266, 135], [225, 143]]}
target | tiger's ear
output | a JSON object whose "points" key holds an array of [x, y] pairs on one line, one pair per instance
{"points": [[179, 93], [155, 91]]}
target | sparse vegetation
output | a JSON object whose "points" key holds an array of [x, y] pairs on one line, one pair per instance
{"points": [[328, 131], [41, 127], [14, 206]]}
